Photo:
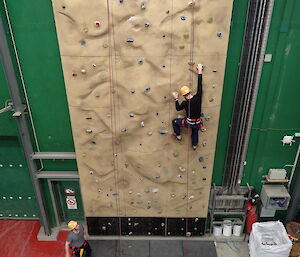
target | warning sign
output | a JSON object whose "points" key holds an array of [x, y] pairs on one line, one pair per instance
{"points": [[71, 202]]}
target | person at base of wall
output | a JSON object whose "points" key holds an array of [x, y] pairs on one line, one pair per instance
{"points": [[192, 107], [76, 241]]}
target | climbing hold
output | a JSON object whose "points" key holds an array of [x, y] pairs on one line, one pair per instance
{"points": [[88, 118], [139, 194], [157, 114], [202, 114], [121, 1], [182, 18], [83, 71], [215, 70], [157, 177], [213, 85], [154, 190], [82, 42], [193, 172], [204, 143], [186, 36], [207, 118], [167, 12], [126, 165], [132, 18], [211, 99], [191, 3], [173, 195], [164, 66], [219, 34], [210, 20], [123, 130], [132, 91], [147, 191], [181, 169], [204, 167], [147, 90], [105, 45], [94, 65], [163, 132], [181, 47], [201, 159], [85, 30], [191, 197], [130, 40], [130, 192], [149, 133], [140, 62], [97, 24], [142, 124], [64, 7], [74, 74], [191, 63], [147, 24], [159, 165], [143, 5], [203, 129], [179, 176], [89, 131], [91, 172], [131, 115], [204, 179]]}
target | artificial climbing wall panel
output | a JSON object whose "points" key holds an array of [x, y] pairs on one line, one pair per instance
{"points": [[121, 61]]}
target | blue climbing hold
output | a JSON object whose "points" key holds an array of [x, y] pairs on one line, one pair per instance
{"points": [[182, 18], [130, 40], [201, 159]]}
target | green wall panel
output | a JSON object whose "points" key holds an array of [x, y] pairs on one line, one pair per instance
{"points": [[35, 35], [7, 121], [17, 196], [277, 107]]}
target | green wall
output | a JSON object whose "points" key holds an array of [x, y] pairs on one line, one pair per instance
{"points": [[275, 114]]}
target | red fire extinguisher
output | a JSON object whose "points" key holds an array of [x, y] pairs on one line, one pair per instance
{"points": [[251, 210]]}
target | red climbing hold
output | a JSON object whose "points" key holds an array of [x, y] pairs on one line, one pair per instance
{"points": [[97, 23], [74, 74]]}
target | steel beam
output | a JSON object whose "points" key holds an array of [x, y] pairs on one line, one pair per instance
{"points": [[22, 126], [53, 155], [57, 175]]}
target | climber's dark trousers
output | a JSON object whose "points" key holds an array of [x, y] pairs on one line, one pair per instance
{"points": [[177, 123]]}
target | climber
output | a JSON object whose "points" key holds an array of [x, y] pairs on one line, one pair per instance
{"points": [[192, 106], [76, 241]]}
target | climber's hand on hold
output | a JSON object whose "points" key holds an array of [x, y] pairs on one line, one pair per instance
{"points": [[175, 95], [199, 68]]}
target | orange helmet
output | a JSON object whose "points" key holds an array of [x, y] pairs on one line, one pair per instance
{"points": [[184, 90], [72, 224]]}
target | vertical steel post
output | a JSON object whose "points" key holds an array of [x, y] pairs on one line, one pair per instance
{"points": [[22, 125]]}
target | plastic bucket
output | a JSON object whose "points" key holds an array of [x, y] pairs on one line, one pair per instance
{"points": [[217, 230], [237, 230], [227, 228]]}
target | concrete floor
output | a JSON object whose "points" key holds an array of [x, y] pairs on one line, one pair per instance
{"points": [[232, 249]]}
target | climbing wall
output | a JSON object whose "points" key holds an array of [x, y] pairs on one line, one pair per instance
{"points": [[121, 61]]}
